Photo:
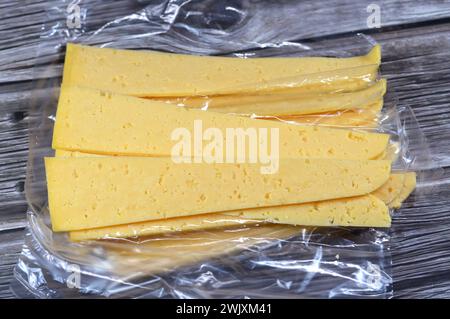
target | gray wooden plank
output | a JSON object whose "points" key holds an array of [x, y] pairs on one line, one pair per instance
{"points": [[290, 21], [419, 239], [10, 247]]}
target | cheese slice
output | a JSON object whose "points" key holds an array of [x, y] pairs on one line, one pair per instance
{"points": [[363, 211], [285, 103], [392, 152], [96, 122], [391, 189], [154, 74], [400, 186], [409, 184], [95, 192], [396, 189]]}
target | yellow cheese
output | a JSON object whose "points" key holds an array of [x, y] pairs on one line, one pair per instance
{"points": [[286, 103], [391, 189], [95, 192], [390, 153], [95, 122], [398, 187], [359, 211], [152, 74], [363, 211], [409, 184]]}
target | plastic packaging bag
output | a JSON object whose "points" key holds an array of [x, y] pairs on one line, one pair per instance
{"points": [[256, 261]]}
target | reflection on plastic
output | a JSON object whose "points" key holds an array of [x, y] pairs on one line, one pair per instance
{"points": [[270, 261]]}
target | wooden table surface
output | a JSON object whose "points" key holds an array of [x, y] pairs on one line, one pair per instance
{"points": [[415, 37]]}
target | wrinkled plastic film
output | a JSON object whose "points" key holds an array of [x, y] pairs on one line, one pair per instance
{"points": [[231, 268], [257, 259]]}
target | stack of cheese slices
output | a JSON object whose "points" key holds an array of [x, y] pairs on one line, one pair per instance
{"points": [[113, 174]]}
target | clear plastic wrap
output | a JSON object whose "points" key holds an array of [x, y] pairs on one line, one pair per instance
{"points": [[254, 260]]}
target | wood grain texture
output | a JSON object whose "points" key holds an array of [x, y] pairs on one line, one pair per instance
{"points": [[10, 247], [416, 59]]}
